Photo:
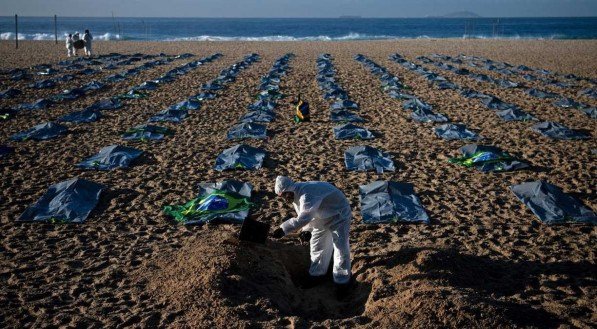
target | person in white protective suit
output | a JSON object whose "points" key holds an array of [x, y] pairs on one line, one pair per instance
{"points": [[87, 38], [323, 210], [70, 48]]}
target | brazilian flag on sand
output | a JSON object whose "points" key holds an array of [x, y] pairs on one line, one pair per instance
{"points": [[204, 209], [302, 112]]}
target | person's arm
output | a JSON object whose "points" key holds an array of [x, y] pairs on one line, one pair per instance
{"points": [[307, 209]]}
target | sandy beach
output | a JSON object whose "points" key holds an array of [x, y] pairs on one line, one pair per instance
{"points": [[485, 260]]}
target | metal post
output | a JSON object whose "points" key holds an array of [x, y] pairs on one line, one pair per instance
{"points": [[55, 29], [16, 31], [113, 22]]}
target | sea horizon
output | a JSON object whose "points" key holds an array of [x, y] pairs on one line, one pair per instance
{"points": [[302, 29]]}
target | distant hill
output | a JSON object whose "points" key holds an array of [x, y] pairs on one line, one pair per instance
{"points": [[459, 14]]}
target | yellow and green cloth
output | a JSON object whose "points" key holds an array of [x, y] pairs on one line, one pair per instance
{"points": [[302, 112]]}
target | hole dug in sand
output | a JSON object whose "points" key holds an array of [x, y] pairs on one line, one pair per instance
{"points": [[266, 282]]}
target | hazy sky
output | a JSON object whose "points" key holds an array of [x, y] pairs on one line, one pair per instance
{"points": [[296, 8]]}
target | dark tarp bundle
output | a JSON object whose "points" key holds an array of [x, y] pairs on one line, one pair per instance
{"points": [[591, 112], [415, 104], [345, 105], [562, 85], [44, 84], [93, 85], [487, 159], [469, 93], [84, 116], [132, 94], [270, 95], [183, 56], [9, 93], [450, 131], [443, 85], [204, 96], [434, 77], [87, 71], [481, 77], [39, 104], [131, 72], [258, 116], [462, 71], [115, 78], [515, 114], [523, 68], [392, 84], [269, 86], [186, 105], [146, 132], [270, 80], [6, 114], [227, 201], [70, 94], [567, 103], [541, 94], [345, 116], [495, 103], [74, 67], [551, 204], [47, 71], [391, 202], [335, 94], [366, 158], [588, 92], [5, 150], [247, 130], [18, 76], [212, 86], [147, 85], [506, 83], [70, 201], [351, 131], [399, 95], [110, 157], [557, 131], [240, 157], [106, 104], [169, 115], [42, 131], [164, 79], [425, 115], [262, 105]]}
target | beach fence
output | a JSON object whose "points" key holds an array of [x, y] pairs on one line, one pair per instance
{"points": [[55, 29], [118, 29], [17, 30]]}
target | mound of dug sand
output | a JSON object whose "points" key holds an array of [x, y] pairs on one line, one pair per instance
{"points": [[218, 280], [425, 288]]}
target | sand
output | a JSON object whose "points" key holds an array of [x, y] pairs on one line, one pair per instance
{"points": [[485, 260]]}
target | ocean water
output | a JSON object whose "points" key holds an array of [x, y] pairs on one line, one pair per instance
{"points": [[299, 29]]}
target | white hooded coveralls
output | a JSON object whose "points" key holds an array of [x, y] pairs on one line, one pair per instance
{"points": [[324, 210], [87, 38], [70, 48]]}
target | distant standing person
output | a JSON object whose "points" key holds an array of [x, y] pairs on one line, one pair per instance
{"points": [[87, 38], [70, 47]]}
